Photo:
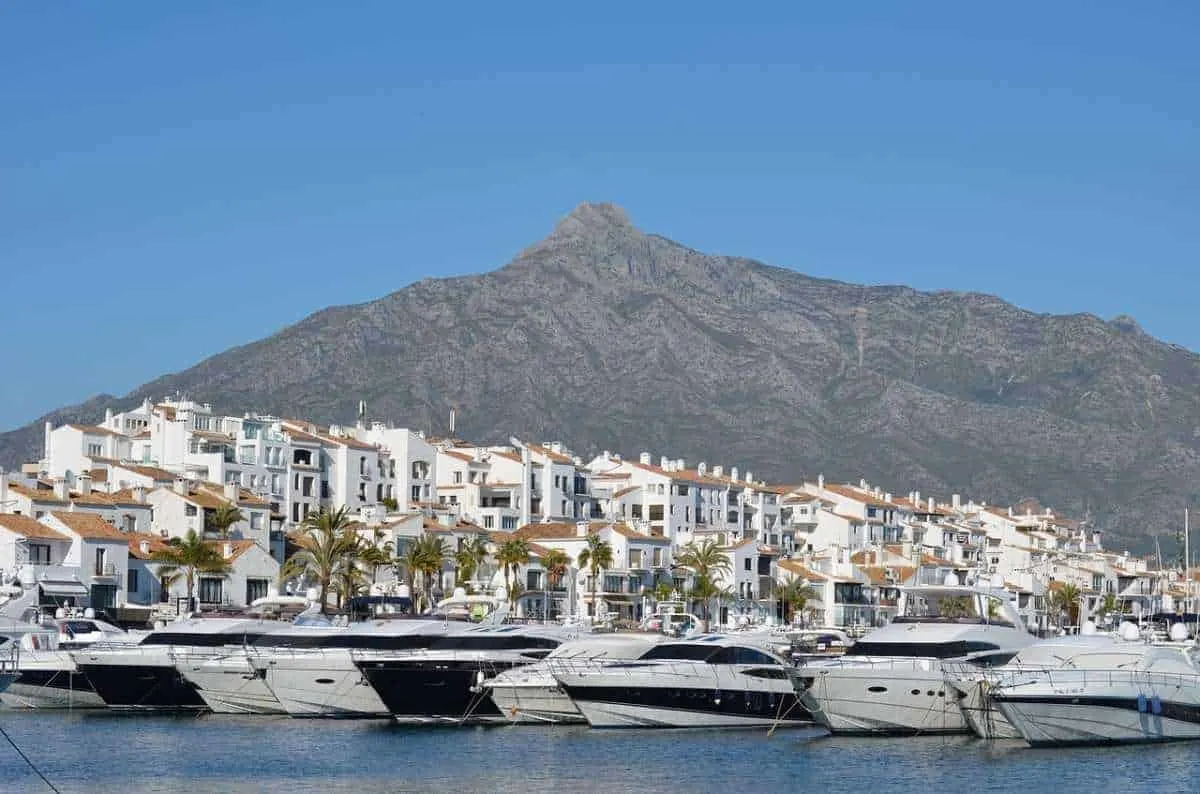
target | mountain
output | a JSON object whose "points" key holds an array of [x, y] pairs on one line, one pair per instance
{"points": [[604, 336]]}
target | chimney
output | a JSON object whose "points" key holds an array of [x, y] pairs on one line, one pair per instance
{"points": [[181, 486], [145, 547], [527, 485], [108, 416], [955, 501], [47, 429], [702, 468], [887, 496], [680, 464], [227, 549], [1010, 512], [821, 482], [663, 463], [581, 528], [749, 476], [718, 471], [606, 455], [60, 489], [139, 494], [932, 504], [917, 499], [733, 473], [644, 458], [232, 492], [84, 481]]}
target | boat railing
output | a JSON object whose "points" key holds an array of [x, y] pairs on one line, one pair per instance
{"points": [[660, 669], [1072, 680]]}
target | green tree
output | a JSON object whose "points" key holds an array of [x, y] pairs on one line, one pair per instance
{"points": [[664, 591], [512, 555], [431, 557], [469, 558], [187, 557], [556, 562], [596, 556], [1066, 602], [328, 541], [706, 560], [349, 580], [1111, 605], [795, 595], [222, 518]]}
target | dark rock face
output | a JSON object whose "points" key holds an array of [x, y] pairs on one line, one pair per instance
{"points": [[604, 336]]}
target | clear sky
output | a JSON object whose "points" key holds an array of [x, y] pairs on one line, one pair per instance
{"points": [[178, 178]]}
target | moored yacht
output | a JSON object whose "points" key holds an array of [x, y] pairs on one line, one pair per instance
{"points": [[144, 676], [1117, 693], [891, 681], [708, 681], [45, 674], [444, 681], [530, 693]]}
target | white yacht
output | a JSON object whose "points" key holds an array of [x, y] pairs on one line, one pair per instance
{"points": [[1121, 692], [707, 681], [891, 681], [530, 693], [973, 684], [443, 682], [144, 676], [45, 674]]}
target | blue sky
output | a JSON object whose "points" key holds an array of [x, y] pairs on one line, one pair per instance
{"points": [[179, 178]]}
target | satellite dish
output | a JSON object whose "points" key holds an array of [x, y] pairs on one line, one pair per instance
{"points": [[951, 580]]}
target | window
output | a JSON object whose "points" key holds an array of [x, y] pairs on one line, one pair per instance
{"points": [[564, 508], [95, 450], [656, 512], [362, 491], [307, 490], [508, 522], [39, 554], [489, 522], [132, 581], [749, 564], [392, 469], [416, 493], [101, 559], [210, 590], [379, 492], [256, 520], [255, 589], [458, 478], [362, 466]]}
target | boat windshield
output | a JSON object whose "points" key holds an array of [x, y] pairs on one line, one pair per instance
{"points": [[931, 650], [952, 607]]}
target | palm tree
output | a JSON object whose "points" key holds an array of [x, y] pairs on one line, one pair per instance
{"points": [[188, 557], [796, 595], [705, 561], [221, 519], [512, 555], [1109, 605], [328, 543], [556, 562], [469, 559], [704, 590], [1066, 600], [431, 556], [377, 556], [349, 580], [663, 591], [596, 556]]}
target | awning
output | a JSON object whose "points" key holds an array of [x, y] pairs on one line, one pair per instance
{"points": [[63, 589]]}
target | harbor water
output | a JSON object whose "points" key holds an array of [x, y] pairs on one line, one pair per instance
{"points": [[102, 751]]}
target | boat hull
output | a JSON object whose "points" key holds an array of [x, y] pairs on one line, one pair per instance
{"points": [[319, 684], [417, 691], [884, 700], [51, 689], [647, 706], [142, 687], [1052, 721], [982, 715], [530, 703], [230, 685]]}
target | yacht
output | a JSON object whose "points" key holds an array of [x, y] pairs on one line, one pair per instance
{"points": [[143, 675], [973, 684], [443, 682], [45, 674], [1123, 692], [310, 672], [530, 693], [891, 681], [708, 681]]}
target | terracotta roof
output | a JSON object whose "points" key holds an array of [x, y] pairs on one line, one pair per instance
{"points": [[166, 411], [799, 500], [143, 435], [1016, 588], [506, 454], [855, 519], [560, 530], [31, 528], [94, 430], [878, 575], [626, 491], [98, 475], [215, 436], [859, 495], [930, 559], [791, 566], [557, 457], [89, 526], [458, 455], [36, 494], [240, 547], [97, 499], [157, 544], [153, 472]]}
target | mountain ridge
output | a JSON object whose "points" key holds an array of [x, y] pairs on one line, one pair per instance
{"points": [[606, 336]]}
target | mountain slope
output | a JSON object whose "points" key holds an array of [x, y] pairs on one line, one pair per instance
{"points": [[604, 336]]}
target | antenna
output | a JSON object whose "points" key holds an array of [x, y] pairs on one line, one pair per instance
{"points": [[453, 410]]}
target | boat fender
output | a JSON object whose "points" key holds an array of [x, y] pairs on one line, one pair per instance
{"points": [[1141, 703], [1155, 705]]}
